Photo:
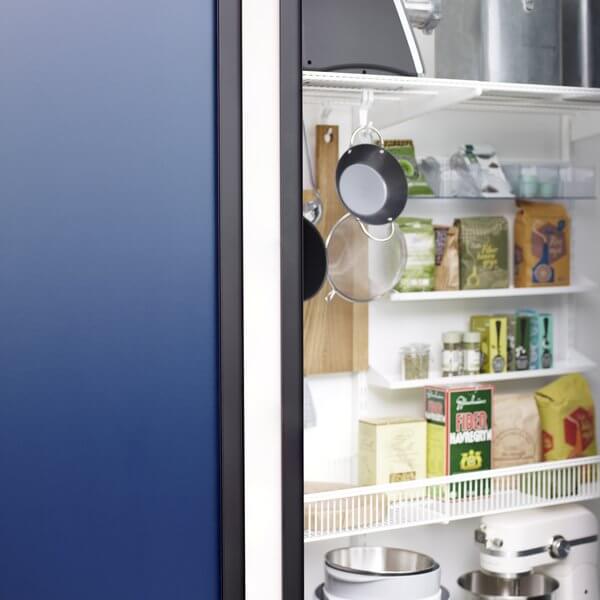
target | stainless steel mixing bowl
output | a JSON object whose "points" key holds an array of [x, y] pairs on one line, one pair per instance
{"points": [[320, 593], [374, 560], [523, 587]]}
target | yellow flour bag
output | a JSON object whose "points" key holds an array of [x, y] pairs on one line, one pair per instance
{"points": [[568, 418]]}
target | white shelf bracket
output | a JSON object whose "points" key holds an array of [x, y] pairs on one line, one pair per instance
{"points": [[389, 111]]}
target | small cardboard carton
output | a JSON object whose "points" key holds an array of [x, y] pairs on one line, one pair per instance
{"points": [[494, 342], [459, 429], [392, 450]]}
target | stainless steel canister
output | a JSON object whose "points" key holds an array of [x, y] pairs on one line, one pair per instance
{"points": [[518, 41], [581, 42]]}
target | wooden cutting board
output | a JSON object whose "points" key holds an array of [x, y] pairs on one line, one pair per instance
{"points": [[336, 335]]}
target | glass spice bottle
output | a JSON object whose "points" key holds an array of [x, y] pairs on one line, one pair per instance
{"points": [[471, 353], [452, 354]]}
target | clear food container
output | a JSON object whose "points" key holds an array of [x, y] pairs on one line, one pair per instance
{"points": [[548, 181], [415, 361]]}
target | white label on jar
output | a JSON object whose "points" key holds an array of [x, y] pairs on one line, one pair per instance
{"points": [[472, 361], [451, 360]]}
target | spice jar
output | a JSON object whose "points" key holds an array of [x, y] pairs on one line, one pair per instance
{"points": [[471, 353], [415, 361], [423, 353], [452, 354], [411, 362]]}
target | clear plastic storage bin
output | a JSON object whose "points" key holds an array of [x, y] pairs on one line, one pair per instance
{"points": [[551, 180]]}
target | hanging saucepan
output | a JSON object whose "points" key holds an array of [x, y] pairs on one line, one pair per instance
{"points": [[314, 265], [370, 181], [364, 262]]}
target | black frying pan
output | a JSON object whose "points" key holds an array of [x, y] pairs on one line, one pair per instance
{"points": [[314, 266], [371, 183]]}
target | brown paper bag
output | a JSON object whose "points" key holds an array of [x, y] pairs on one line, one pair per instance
{"points": [[517, 431], [542, 245], [447, 270]]}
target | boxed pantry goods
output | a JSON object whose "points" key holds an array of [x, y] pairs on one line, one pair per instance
{"points": [[391, 450], [419, 274], [522, 343], [537, 350], [459, 429], [511, 339], [484, 262], [546, 349], [517, 431], [567, 413], [542, 245], [529, 321], [494, 342], [404, 152]]}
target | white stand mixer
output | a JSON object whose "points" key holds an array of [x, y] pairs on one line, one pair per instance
{"points": [[559, 542]]}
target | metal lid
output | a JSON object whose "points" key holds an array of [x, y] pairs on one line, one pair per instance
{"points": [[472, 337], [452, 337], [374, 560]]}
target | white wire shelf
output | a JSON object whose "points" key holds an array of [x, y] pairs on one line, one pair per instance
{"points": [[576, 363], [579, 287], [358, 511], [398, 99], [520, 94]]}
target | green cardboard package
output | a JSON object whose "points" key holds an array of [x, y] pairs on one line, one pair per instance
{"points": [[484, 253], [459, 429], [404, 152]]}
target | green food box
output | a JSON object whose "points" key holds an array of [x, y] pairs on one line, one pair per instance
{"points": [[494, 342], [546, 341], [484, 255], [459, 429], [404, 152], [534, 337], [511, 341], [523, 343]]}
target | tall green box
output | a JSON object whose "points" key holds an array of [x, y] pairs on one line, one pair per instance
{"points": [[459, 429], [494, 342]]}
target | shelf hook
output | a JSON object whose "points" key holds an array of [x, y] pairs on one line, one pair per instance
{"points": [[326, 112], [368, 97]]}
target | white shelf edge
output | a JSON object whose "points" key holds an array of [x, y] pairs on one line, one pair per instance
{"points": [[577, 363], [400, 99], [576, 98], [580, 287], [426, 501]]}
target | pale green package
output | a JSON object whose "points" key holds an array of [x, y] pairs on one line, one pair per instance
{"points": [[419, 275]]}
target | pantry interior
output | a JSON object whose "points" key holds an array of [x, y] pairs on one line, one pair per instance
{"points": [[527, 125]]}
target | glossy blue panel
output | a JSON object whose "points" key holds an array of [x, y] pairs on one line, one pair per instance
{"points": [[108, 325]]}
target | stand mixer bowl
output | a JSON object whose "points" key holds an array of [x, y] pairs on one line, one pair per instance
{"points": [[532, 586]]}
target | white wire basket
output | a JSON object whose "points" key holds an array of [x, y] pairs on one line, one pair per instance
{"points": [[358, 511]]}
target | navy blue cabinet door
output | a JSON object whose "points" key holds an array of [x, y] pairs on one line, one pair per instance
{"points": [[109, 478]]}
